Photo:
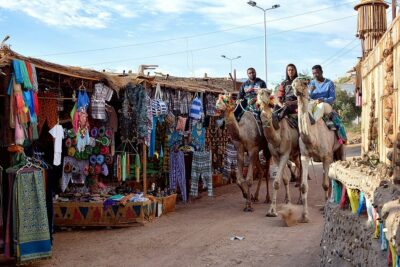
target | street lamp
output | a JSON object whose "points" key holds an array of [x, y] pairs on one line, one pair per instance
{"points": [[254, 4], [231, 59]]}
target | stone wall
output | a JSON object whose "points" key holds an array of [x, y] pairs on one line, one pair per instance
{"points": [[347, 240]]}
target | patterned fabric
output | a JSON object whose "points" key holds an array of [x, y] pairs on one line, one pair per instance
{"points": [[197, 138], [211, 105], [48, 110], [32, 230], [177, 173], [184, 102], [177, 101], [230, 160], [201, 166], [76, 177], [102, 93]]}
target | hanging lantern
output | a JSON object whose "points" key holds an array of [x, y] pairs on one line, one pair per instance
{"points": [[371, 24]]}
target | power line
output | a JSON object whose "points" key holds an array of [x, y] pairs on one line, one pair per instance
{"points": [[341, 55], [338, 52], [192, 36], [219, 45]]}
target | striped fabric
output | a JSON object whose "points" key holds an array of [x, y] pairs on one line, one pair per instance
{"points": [[196, 109], [201, 166]]}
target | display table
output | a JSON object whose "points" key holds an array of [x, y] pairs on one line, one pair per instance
{"points": [[70, 214]]}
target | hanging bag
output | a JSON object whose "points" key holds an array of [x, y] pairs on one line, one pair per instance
{"points": [[158, 106]]}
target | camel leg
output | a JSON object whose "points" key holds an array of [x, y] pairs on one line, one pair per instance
{"points": [[276, 184], [297, 162], [286, 180], [325, 183], [260, 174], [239, 171], [266, 174], [305, 161], [249, 182]]}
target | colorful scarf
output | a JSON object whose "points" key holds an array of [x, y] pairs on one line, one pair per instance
{"points": [[32, 230]]}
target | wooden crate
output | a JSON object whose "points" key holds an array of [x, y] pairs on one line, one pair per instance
{"points": [[168, 203], [218, 180]]}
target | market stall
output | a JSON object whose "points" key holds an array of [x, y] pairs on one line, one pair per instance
{"points": [[104, 149]]}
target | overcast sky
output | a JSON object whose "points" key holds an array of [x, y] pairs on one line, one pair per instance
{"points": [[185, 37]]}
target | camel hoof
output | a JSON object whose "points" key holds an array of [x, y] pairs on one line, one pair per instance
{"points": [[271, 214], [304, 219], [245, 196], [254, 199], [297, 185], [248, 209], [267, 201], [300, 202], [287, 201]]}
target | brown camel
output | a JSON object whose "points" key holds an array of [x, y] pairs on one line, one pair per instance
{"points": [[317, 142], [283, 143], [246, 136]]}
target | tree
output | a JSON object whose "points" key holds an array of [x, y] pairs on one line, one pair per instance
{"points": [[345, 105]]}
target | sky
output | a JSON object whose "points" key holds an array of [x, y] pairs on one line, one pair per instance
{"points": [[185, 37]]}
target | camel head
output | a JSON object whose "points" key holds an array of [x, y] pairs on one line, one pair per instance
{"points": [[225, 102], [265, 98], [300, 86]]}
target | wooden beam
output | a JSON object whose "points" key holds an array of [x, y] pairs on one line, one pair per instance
{"points": [[144, 169]]}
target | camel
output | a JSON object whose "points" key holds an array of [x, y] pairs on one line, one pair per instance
{"points": [[283, 143], [316, 142], [246, 136]]}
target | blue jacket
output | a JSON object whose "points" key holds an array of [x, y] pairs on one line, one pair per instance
{"points": [[324, 91]]}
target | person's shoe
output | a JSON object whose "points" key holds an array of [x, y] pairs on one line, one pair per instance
{"points": [[312, 120]]}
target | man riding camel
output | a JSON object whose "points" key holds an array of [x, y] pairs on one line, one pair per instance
{"points": [[249, 88]]}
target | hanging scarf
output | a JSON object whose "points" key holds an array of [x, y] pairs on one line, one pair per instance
{"points": [[35, 85], [17, 71], [137, 168], [35, 102], [361, 205], [25, 75], [29, 69]]}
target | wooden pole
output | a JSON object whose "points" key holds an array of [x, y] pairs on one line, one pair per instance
{"points": [[144, 169], [394, 9]]}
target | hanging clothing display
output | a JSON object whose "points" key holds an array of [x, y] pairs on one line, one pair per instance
{"points": [[230, 160], [58, 134], [201, 167], [101, 94], [177, 174], [27, 231], [32, 231]]}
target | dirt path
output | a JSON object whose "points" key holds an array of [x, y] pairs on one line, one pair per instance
{"points": [[198, 235]]}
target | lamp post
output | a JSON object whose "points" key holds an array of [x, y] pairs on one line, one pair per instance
{"points": [[231, 59], [254, 4]]}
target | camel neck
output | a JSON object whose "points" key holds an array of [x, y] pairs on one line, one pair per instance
{"points": [[272, 135], [232, 124], [304, 120]]}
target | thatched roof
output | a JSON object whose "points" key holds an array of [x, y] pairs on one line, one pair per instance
{"points": [[117, 81]]}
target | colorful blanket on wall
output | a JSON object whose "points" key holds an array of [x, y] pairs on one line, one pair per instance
{"points": [[32, 228]]}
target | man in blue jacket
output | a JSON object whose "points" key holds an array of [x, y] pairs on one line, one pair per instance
{"points": [[322, 94]]}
